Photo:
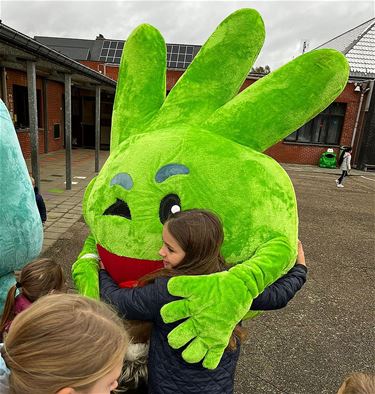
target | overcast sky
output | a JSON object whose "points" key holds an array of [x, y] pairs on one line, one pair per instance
{"points": [[287, 23]]}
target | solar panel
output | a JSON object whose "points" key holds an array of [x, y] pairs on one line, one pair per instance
{"points": [[111, 51], [178, 56]]}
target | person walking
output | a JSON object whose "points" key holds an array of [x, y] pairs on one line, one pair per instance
{"points": [[345, 167]]}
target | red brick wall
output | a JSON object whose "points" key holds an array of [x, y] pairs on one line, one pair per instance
{"points": [[55, 92], [112, 72], [105, 69], [54, 97], [172, 77], [24, 140], [92, 64]]}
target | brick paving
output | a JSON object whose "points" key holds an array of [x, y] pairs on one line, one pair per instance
{"points": [[64, 207]]}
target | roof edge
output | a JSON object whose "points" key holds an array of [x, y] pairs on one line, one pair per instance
{"points": [[356, 27], [30, 45], [355, 42]]}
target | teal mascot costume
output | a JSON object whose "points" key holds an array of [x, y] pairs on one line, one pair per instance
{"points": [[21, 230], [201, 147]]}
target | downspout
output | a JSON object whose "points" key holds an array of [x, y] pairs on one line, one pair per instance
{"points": [[45, 113], [4, 92], [364, 90]]}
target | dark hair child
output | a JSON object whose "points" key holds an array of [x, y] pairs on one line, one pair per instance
{"points": [[344, 163], [192, 243]]}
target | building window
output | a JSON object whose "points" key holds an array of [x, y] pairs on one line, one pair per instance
{"points": [[21, 107], [56, 130], [324, 129]]}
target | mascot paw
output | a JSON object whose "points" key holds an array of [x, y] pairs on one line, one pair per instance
{"points": [[211, 318], [85, 276]]}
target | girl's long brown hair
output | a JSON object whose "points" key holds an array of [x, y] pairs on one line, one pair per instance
{"points": [[200, 235], [36, 279]]}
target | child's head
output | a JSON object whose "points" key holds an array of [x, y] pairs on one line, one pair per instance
{"points": [[41, 277], [65, 344], [192, 241], [38, 278], [358, 383]]}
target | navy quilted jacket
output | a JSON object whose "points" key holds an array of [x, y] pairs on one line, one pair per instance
{"points": [[168, 372]]}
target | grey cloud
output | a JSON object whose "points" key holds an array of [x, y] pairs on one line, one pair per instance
{"points": [[287, 23]]}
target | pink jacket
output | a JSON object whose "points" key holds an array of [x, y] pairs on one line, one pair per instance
{"points": [[21, 303]]}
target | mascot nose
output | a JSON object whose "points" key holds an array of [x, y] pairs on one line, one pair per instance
{"points": [[119, 208]]}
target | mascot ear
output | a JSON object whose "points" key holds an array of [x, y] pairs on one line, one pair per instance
{"points": [[216, 73], [281, 102], [140, 88]]}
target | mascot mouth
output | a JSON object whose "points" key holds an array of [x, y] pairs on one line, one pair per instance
{"points": [[126, 271], [119, 208]]}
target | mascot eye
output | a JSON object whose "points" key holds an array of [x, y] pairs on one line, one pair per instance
{"points": [[168, 205], [119, 208]]}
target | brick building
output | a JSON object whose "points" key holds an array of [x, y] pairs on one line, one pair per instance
{"points": [[358, 45], [333, 128], [48, 94], [345, 122]]}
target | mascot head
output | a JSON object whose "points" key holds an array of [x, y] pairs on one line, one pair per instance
{"points": [[21, 232], [201, 146]]}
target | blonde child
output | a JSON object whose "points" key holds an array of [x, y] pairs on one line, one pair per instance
{"points": [[358, 383], [192, 243], [63, 344], [36, 279]]}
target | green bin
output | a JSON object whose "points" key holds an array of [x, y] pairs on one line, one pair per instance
{"points": [[328, 159]]}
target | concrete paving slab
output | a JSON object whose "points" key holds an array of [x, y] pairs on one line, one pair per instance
{"points": [[72, 216], [56, 228], [65, 225], [54, 213]]}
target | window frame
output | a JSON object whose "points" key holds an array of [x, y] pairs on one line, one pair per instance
{"points": [[24, 108], [325, 121]]}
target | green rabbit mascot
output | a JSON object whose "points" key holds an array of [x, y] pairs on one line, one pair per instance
{"points": [[201, 147]]}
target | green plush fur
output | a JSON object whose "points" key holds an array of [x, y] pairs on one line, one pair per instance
{"points": [[220, 139]]}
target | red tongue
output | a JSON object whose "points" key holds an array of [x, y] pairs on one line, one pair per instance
{"points": [[126, 271]]}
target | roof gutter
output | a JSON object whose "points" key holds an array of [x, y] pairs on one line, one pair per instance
{"points": [[15, 38]]}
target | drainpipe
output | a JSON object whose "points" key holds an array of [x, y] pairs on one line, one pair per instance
{"points": [[45, 113], [4, 93], [362, 87]]}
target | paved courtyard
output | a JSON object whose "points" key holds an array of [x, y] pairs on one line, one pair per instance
{"points": [[328, 330], [64, 207]]}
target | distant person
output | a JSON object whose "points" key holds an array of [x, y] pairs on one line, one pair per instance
{"points": [[344, 163], [63, 344], [358, 383], [38, 278], [39, 202], [192, 243]]}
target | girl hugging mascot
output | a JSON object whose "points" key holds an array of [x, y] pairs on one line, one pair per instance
{"points": [[201, 147]]}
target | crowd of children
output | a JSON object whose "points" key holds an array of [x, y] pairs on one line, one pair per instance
{"points": [[61, 343]]}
